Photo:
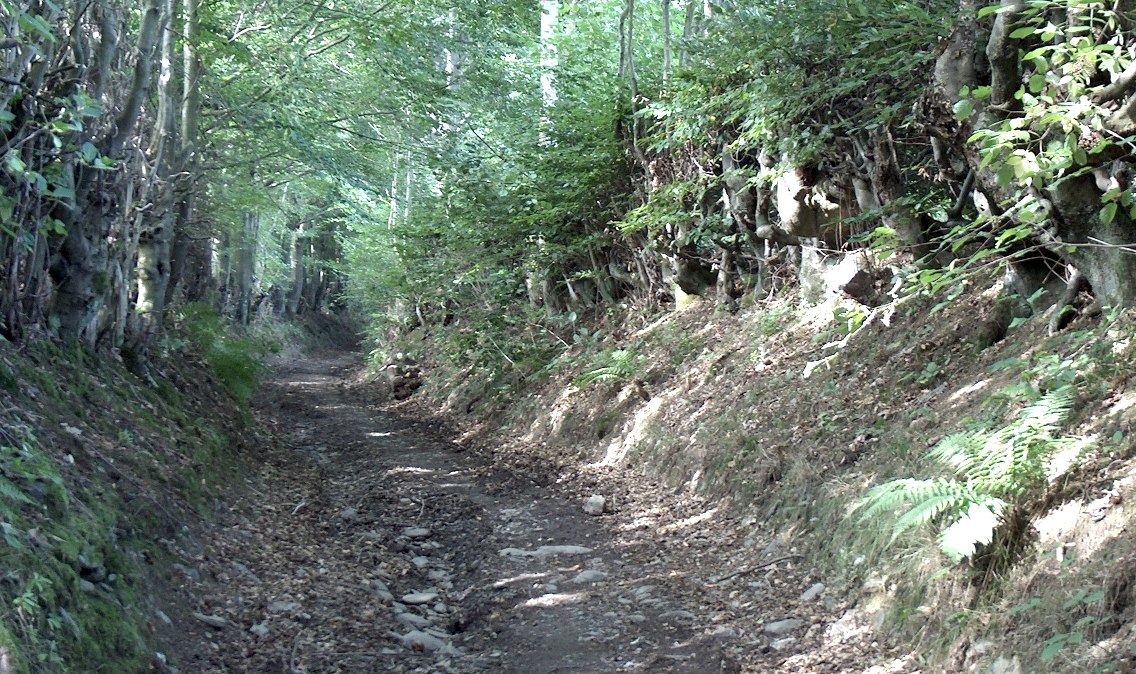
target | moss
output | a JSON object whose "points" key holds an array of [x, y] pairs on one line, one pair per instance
{"points": [[108, 637]]}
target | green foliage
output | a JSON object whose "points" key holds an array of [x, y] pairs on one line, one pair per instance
{"points": [[1074, 607], [234, 359], [994, 471], [622, 366]]}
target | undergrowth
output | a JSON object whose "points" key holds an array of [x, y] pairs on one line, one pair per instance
{"points": [[236, 360]]}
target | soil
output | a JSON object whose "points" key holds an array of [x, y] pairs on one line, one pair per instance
{"points": [[367, 540]]}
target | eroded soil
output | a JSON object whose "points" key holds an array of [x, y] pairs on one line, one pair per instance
{"points": [[367, 541]]}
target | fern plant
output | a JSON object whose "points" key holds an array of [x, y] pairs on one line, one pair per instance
{"points": [[994, 471], [622, 366]]}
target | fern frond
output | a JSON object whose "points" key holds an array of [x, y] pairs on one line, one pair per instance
{"points": [[10, 493], [958, 451], [950, 498], [974, 527], [890, 497], [1013, 458]]}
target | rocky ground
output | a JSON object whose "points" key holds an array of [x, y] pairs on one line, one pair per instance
{"points": [[368, 541]]}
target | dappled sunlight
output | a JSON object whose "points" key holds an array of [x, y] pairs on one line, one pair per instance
{"points": [[304, 382], [622, 444], [553, 600], [410, 469], [644, 520], [385, 434], [689, 522], [505, 582], [964, 392]]}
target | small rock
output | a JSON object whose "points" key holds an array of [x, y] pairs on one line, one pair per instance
{"points": [[214, 621], [440, 608], [88, 587], [1004, 665], [260, 630], [412, 620], [245, 572], [380, 589], [636, 618], [595, 505], [420, 642], [589, 576], [783, 643], [416, 598], [783, 627], [813, 592], [189, 573], [163, 617], [414, 533], [282, 607], [677, 615], [421, 562], [642, 591], [348, 515]]}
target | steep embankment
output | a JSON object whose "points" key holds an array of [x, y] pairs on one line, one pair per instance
{"points": [[790, 420], [102, 479]]}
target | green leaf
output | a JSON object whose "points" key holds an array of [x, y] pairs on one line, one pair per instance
{"points": [[1053, 647], [88, 152], [1033, 603], [963, 109], [1022, 32], [1108, 213], [35, 23], [1037, 83]]}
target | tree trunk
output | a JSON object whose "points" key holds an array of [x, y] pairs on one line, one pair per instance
{"points": [[186, 236], [153, 260], [297, 259], [246, 266]]}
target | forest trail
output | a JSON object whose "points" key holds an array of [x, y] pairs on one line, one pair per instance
{"points": [[368, 543]]}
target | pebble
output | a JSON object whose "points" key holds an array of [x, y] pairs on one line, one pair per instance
{"points": [[189, 573], [416, 532], [589, 576], [1004, 665], [260, 630], [412, 620], [348, 515], [595, 505], [282, 606], [783, 643], [545, 551], [813, 592], [420, 641], [421, 562], [677, 615], [214, 621], [416, 598], [87, 586], [245, 572], [380, 589], [783, 627]]}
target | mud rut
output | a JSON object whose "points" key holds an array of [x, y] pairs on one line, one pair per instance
{"points": [[366, 543]]}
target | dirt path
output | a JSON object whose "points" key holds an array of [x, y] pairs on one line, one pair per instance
{"points": [[366, 543]]}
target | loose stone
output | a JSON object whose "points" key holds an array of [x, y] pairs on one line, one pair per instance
{"points": [[782, 627], [417, 598]]}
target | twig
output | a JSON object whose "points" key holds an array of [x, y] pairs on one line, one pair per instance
{"points": [[758, 567], [292, 658], [301, 504]]}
